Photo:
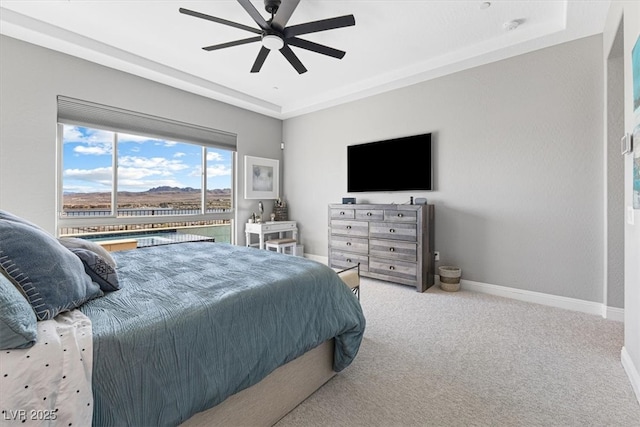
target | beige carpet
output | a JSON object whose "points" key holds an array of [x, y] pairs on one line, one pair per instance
{"points": [[470, 359]]}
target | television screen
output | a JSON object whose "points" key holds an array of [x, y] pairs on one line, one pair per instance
{"points": [[400, 164]]}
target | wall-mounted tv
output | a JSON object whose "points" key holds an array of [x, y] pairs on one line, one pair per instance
{"points": [[399, 164]]}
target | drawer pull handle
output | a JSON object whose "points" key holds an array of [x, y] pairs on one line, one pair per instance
{"points": [[349, 260], [341, 213], [391, 267], [348, 227], [392, 249], [391, 230], [400, 215], [369, 214], [348, 243]]}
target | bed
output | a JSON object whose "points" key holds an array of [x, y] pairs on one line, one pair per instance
{"points": [[191, 333]]}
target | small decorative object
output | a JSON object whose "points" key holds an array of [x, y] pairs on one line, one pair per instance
{"points": [[450, 278], [273, 217], [261, 178], [280, 210]]}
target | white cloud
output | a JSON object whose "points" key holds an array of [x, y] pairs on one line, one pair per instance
{"points": [[95, 150], [92, 136], [218, 170], [212, 156], [160, 163], [94, 175]]}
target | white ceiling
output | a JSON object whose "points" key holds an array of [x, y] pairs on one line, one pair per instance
{"points": [[393, 44]]}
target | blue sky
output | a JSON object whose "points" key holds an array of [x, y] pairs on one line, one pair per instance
{"points": [[143, 163]]}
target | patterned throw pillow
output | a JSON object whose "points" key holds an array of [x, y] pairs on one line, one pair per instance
{"points": [[98, 269], [77, 243]]}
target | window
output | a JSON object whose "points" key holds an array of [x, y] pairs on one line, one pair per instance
{"points": [[114, 182]]}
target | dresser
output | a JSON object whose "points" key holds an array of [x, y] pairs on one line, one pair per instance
{"points": [[391, 242]]}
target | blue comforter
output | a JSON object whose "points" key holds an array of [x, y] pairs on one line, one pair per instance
{"points": [[197, 322]]}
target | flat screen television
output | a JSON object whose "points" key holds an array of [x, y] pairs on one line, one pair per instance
{"points": [[399, 164]]}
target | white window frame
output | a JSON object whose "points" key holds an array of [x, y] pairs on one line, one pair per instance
{"points": [[113, 219]]}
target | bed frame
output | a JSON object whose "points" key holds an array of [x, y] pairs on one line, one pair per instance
{"points": [[266, 402]]}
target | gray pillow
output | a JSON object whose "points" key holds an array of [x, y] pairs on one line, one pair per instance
{"points": [[11, 217], [98, 269], [74, 243], [50, 276], [18, 323]]}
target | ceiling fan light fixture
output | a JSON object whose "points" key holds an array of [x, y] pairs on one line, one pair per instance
{"points": [[272, 42]]}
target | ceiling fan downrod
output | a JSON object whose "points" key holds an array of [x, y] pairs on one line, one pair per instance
{"points": [[271, 6]]}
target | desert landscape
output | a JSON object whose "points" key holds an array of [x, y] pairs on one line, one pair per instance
{"points": [[172, 198]]}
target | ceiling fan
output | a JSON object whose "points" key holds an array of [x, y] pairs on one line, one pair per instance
{"points": [[274, 33]]}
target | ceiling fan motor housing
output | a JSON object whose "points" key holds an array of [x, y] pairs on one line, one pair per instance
{"points": [[272, 6]]}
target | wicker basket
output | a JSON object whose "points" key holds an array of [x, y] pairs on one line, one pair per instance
{"points": [[281, 213], [450, 278]]}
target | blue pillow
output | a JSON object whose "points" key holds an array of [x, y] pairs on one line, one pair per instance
{"points": [[18, 323], [50, 276], [77, 243], [98, 269]]}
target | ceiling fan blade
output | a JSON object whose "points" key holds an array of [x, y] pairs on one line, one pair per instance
{"points": [[285, 10], [231, 44], [293, 59], [262, 55], [321, 25], [253, 12], [219, 20], [315, 47]]}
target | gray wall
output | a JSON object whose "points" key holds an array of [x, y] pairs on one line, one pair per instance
{"points": [[518, 167], [627, 14], [30, 79]]}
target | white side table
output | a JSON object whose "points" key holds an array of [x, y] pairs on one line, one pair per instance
{"points": [[270, 227]]}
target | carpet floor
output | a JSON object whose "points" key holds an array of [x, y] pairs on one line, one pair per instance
{"points": [[469, 359]]}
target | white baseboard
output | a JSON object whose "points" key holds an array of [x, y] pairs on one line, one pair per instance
{"points": [[632, 372], [574, 304], [614, 313], [611, 313], [321, 259]]}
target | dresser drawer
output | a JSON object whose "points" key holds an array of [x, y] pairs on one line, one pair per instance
{"points": [[401, 216], [370, 214], [393, 250], [350, 228], [350, 244], [400, 269], [342, 213], [393, 230], [340, 259]]}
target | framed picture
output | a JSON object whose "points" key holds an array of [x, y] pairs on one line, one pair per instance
{"points": [[635, 72], [261, 178]]}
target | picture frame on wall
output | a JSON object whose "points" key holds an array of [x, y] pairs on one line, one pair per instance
{"points": [[261, 178], [634, 146], [635, 72]]}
